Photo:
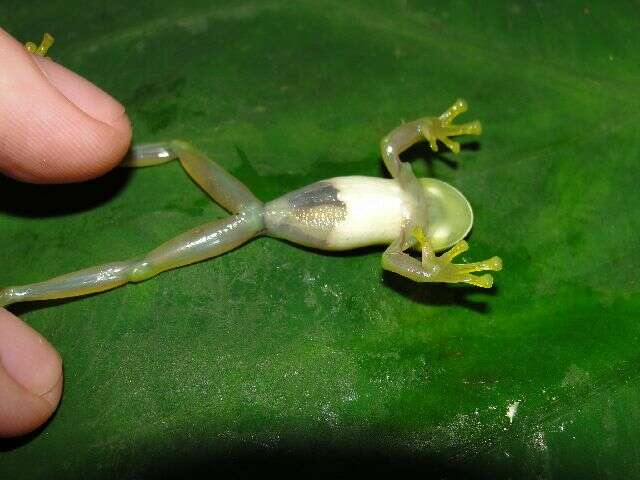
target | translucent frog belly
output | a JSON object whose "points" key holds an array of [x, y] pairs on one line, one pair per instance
{"points": [[340, 213], [375, 210]]}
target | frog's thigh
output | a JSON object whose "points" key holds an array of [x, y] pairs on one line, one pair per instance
{"points": [[223, 187], [206, 241]]}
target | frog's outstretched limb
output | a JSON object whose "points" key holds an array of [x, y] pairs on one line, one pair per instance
{"points": [[224, 188], [206, 241], [433, 268]]}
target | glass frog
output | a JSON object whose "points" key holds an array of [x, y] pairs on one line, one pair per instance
{"points": [[342, 213]]}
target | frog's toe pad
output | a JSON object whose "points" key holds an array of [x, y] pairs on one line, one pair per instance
{"points": [[470, 128], [494, 264], [482, 281]]}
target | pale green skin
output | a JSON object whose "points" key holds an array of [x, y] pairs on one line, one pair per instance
{"points": [[336, 214]]}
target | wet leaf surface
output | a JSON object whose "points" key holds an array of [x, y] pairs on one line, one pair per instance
{"points": [[279, 358]]}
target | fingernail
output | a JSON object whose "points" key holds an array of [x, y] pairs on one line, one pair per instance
{"points": [[92, 100], [29, 359]]}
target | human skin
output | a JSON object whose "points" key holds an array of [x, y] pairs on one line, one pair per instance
{"points": [[55, 127]]}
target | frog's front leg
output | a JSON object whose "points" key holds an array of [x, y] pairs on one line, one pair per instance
{"points": [[408, 134], [433, 268], [429, 128]]}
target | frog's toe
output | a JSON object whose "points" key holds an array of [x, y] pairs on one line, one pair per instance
{"points": [[494, 264], [482, 281], [471, 128], [45, 45], [433, 141], [451, 144], [458, 107], [460, 247], [462, 272]]}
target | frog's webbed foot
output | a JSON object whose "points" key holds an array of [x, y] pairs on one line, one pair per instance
{"points": [[442, 268], [45, 45], [441, 128], [436, 269]]}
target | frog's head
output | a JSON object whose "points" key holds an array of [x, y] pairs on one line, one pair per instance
{"points": [[449, 214]]}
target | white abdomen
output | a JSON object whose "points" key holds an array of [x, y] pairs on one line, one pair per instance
{"points": [[375, 209]]}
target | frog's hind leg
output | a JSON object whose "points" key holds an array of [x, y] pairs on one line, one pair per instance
{"points": [[206, 241], [223, 187], [209, 240]]}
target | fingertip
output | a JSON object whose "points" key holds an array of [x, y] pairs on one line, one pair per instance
{"points": [[55, 126], [31, 377], [92, 100], [53, 395]]}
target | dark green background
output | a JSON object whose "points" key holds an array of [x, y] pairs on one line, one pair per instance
{"points": [[277, 357]]}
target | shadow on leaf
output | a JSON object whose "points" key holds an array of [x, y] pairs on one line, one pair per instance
{"points": [[441, 294], [34, 201]]}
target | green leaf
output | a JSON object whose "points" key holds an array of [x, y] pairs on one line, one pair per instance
{"points": [[287, 357]]}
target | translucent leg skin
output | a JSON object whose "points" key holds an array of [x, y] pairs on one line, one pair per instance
{"points": [[437, 269], [223, 187], [206, 241]]}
